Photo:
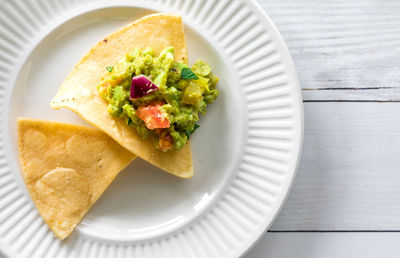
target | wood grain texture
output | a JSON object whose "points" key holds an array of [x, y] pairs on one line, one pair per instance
{"points": [[349, 176], [347, 54], [327, 245], [373, 94], [336, 44]]}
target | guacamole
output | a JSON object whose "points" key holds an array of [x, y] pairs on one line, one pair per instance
{"points": [[159, 97]]}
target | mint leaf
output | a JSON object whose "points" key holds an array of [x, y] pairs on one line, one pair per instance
{"points": [[186, 73], [189, 132], [129, 122], [110, 68]]}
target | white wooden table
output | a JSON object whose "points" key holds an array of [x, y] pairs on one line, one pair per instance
{"points": [[346, 198]]}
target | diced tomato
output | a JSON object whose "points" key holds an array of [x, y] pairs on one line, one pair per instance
{"points": [[153, 116]]}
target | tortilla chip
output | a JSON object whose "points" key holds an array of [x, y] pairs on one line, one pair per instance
{"points": [[66, 168], [79, 93]]}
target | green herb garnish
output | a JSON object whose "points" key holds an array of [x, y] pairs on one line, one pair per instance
{"points": [[110, 68], [189, 132], [186, 73]]}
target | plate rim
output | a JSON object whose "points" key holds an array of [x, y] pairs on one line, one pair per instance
{"points": [[301, 138]]}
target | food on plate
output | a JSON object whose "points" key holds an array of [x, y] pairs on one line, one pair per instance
{"points": [[79, 91], [66, 168], [158, 97]]}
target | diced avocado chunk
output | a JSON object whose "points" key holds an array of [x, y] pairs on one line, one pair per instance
{"points": [[114, 110], [166, 59], [202, 83], [211, 96], [192, 95]]}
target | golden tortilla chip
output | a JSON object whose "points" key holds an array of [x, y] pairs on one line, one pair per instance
{"points": [[79, 93], [66, 168]]}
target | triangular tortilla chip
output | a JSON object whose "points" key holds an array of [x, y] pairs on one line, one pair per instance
{"points": [[79, 93], [66, 168]]}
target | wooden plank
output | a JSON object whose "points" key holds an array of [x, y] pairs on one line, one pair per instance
{"points": [[327, 245], [391, 94], [338, 44], [349, 176]]}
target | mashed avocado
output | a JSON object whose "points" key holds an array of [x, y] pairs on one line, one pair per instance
{"points": [[169, 113]]}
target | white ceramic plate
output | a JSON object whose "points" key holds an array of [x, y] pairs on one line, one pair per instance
{"points": [[245, 154]]}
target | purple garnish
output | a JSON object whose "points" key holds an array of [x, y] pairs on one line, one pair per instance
{"points": [[141, 86]]}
